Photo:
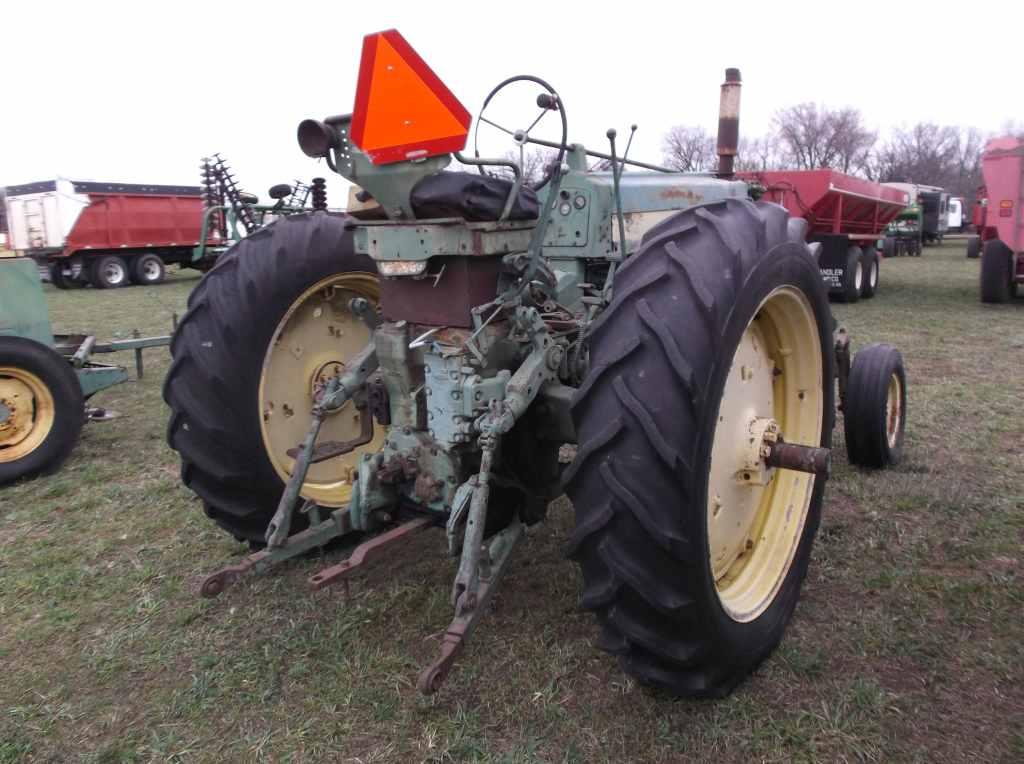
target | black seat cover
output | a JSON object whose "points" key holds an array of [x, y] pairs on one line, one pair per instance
{"points": [[470, 196]]}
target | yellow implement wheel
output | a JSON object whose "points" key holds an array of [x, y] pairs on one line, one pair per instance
{"points": [[41, 408], [875, 411], [756, 515], [312, 343]]}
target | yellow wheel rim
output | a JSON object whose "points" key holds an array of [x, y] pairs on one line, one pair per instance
{"points": [[893, 410], [313, 341], [754, 524], [27, 413]]}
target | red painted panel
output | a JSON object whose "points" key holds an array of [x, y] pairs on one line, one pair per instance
{"points": [[832, 202], [1002, 166], [127, 221]]}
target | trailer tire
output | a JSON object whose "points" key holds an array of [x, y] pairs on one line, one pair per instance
{"points": [[647, 417], [974, 248], [997, 274], [853, 277], [147, 270], [109, 272], [34, 377], [870, 266], [220, 349], [890, 247], [875, 409]]}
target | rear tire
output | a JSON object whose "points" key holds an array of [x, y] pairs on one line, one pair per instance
{"points": [[42, 409], [997, 274], [974, 248], [218, 354], [646, 416], [853, 277], [875, 410], [147, 270], [109, 272], [870, 267]]}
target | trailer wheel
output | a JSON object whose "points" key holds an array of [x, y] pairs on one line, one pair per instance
{"points": [[875, 410], [147, 270], [997, 274], [974, 248], [870, 267], [41, 408], [719, 324], [853, 277], [109, 272], [890, 247], [262, 328]]}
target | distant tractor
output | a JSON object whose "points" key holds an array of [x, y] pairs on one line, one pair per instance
{"points": [[999, 221], [463, 348]]}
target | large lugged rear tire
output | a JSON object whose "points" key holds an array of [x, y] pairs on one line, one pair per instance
{"points": [[720, 317], [41, 409], [225, 404]]}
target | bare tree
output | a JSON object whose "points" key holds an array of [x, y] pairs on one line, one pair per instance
{"points": [[932, 154], [760, 154], [689, 149], [814, 137]]}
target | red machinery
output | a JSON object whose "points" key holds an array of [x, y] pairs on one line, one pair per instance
{"points": [[998, 218], [846, 215], [104, 233]]}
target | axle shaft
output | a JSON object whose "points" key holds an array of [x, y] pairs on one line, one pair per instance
{"points": [[791, 456]]}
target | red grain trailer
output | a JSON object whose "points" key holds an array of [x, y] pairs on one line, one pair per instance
{"points": [[844, 214], [999, 219], [104, 234]]}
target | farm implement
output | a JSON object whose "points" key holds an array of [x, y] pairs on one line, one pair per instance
{"points": [[461, 348], [46, 379], [845, 217], [999, 220]]}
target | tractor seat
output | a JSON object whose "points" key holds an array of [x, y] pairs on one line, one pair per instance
{"points": [[470, 196]]}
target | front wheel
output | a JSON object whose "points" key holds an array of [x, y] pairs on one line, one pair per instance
{"points": [[41, 409], [875, 410], [692, 551]]}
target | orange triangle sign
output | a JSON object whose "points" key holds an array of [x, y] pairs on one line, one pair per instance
{"points": [[403, 111]]}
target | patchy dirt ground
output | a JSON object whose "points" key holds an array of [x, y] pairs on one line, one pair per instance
{"points": [[908, 644]]}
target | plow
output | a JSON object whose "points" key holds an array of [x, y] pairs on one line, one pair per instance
{"points": [[461, 348]]}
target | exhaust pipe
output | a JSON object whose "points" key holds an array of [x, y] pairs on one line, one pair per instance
{"points": [[729, 123]]}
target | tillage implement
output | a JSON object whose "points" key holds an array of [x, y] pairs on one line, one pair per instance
{"points": [[462, 347]]}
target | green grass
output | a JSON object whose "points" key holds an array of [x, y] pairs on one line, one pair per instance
{"points": [[908, 644]]}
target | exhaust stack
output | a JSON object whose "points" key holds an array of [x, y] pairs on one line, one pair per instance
{"points": [[729, 123]]}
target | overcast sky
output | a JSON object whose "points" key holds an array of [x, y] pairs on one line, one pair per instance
{"points": [[139, 91]]}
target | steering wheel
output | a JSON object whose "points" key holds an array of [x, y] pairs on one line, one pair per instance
{"points": [[547, 101]]}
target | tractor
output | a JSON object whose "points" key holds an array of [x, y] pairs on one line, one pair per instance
{"points": [[460, 348]]}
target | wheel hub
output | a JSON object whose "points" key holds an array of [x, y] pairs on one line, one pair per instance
{"points": [[893, 411], [756, 512], [308, 348], [16, 409]]}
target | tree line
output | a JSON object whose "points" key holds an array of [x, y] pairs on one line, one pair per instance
{"points": [[810, 136]]}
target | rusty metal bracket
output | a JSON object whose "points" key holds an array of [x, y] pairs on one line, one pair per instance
{"points": [[494, 562], [332, 448], [367, 550], [319, 533]]}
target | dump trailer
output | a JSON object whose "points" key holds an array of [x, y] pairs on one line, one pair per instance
{"points": [[845, 215], [466, 347], [999, 221], [104, 234]]}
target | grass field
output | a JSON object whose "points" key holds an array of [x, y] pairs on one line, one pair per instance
{"points": [[908, 644]]}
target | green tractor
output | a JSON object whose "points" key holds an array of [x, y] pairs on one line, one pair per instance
{"points": [[904, 235], [462, 348]]}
